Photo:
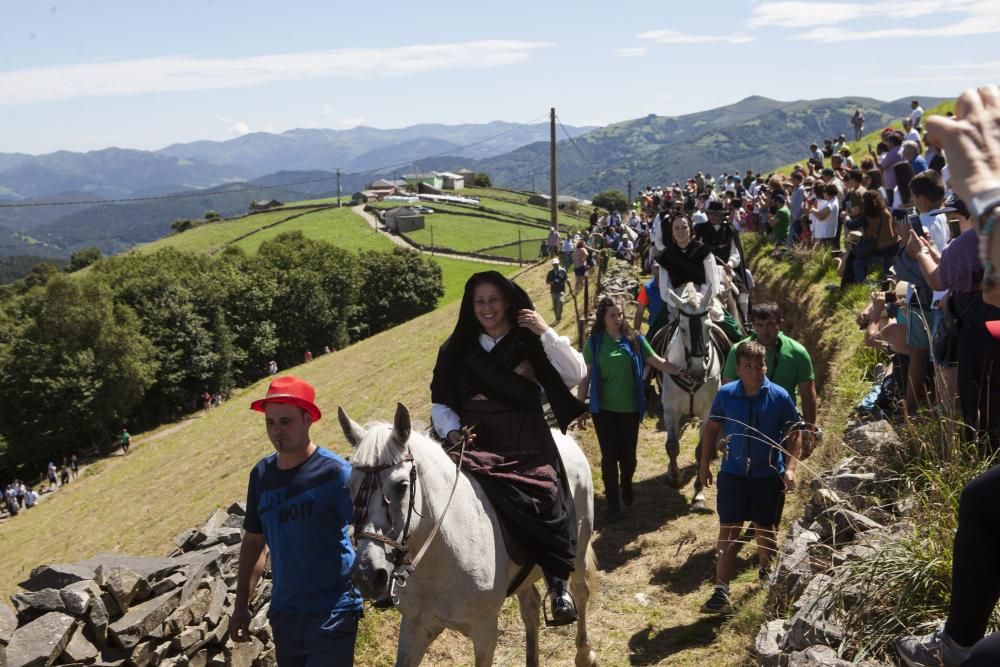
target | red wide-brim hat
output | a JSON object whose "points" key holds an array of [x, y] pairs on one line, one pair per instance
{"points": [[292, 390]]}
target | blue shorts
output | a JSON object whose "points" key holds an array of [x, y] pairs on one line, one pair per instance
{"points": [[314, 640], [758, 499], [917, 323]]}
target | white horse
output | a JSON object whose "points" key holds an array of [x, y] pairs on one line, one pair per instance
{"points": [[463, 579], [692, 347]]}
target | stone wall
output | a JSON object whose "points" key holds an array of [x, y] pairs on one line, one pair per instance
{"points": [[851, 514], [115, 609]]}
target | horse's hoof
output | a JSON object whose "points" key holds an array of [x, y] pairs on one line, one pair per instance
{"points": [[588, 659], [674, 475]]}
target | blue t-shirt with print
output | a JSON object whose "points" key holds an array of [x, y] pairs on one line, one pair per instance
{"points": [[752, 424], [304, 513]]}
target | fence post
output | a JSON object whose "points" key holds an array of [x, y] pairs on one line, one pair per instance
{"points": [[519, 259]]}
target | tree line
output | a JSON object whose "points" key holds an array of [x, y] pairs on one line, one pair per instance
{"points": [[134, 340]]}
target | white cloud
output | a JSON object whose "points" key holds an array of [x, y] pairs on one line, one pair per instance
{"points": [[975, 17], [239, 128], [347, 123], [187, 73], [632, 52], [674, 37]]}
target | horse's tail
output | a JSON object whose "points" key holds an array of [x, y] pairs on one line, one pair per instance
{"points": [[591, 567]]}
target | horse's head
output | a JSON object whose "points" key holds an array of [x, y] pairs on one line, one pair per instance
{"points": [[693, 328], [382, 486]]}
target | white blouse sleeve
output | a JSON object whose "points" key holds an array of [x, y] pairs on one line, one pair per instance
{"points": [[734, 255], [712, 275], [445, 420], [664, 284], [565, 359]]}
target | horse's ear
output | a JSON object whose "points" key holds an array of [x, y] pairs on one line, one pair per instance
{"points": [[706, 296], [352, 430], [401, 425]]}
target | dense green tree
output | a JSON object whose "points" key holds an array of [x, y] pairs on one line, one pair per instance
{"points": [[611, 200], [317, 292], [74, 373], [247, 293], [483, 180], [175, 298], [396, 286], [83, 258]]}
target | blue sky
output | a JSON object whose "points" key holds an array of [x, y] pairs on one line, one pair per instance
{"points": [[86, 75]]}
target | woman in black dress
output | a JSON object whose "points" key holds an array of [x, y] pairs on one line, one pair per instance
{"points": [[492, 374]]}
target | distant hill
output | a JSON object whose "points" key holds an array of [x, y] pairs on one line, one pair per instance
{"points": [[756, 133], [361, 148], [115, 228], [112, 172]]}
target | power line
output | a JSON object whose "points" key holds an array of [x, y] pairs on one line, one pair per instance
{"points": [[254, 188]]}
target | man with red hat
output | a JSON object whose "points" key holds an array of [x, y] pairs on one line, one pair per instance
{"points": [[298, 509]]}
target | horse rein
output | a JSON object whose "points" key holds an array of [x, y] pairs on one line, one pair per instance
{"points": [[371, 481]]}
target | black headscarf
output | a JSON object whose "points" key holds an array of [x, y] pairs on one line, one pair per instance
{"points": [[464, 366]]}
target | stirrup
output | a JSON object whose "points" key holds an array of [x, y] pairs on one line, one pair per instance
{"points": [[549, 614]]}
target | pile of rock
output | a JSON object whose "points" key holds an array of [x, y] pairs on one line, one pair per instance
{"points": [[851, 514], [618, 281], [115, 609]]}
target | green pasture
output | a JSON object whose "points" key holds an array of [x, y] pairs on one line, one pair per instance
{"points": [[340, 226]]}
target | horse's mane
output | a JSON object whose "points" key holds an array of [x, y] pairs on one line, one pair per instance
{"points": [[374, 449]]}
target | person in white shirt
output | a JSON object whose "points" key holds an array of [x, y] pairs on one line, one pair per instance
{"points": [[823, 215], [917, 114], [30, 498], [911, 134]]}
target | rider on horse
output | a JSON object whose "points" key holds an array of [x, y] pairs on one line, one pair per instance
{"points": [[490, 376]]}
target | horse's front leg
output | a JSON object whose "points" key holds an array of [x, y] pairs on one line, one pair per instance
{"points": [[484, 642], [415, 636], [673, 442]]}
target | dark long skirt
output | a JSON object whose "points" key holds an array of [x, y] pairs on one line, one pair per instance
{"points": [[516, 462]]}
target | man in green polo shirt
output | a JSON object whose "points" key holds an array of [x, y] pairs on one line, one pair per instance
{"points": [[788, 364]]}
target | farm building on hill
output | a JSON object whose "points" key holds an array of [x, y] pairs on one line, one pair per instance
{"points": [[562, 201], [468, 175], [403, 219], [264, 204], [382, 186], [430, 179], [450, 181]]}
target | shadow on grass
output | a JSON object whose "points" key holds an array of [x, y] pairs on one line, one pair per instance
{"points": [[656, 503], [650, 646], [697, 569]]}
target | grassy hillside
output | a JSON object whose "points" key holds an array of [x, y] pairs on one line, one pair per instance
{"points": [[654, 564], [340, 226]]}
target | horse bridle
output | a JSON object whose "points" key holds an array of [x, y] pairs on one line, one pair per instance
{"points": [[400, 571], [369, 484], [691, 387]]}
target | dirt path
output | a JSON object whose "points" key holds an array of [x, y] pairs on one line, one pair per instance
{"points": [[400, 241]]}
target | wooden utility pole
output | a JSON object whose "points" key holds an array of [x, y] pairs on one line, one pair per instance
{"points": [[554, 204], [631, 202], [339, 202]]}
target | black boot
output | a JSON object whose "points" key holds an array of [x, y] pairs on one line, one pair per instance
{"points": [[562, 607]]}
